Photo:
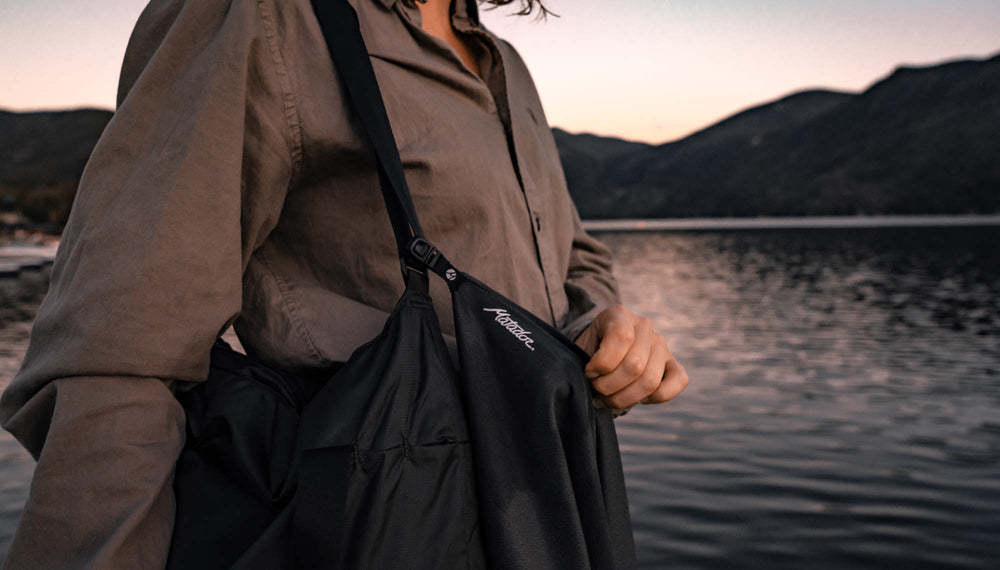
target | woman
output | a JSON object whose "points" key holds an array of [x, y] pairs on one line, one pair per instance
{"points": [[233, 187]]}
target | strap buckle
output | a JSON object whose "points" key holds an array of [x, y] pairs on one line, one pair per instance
{"points": [[423, 251]]}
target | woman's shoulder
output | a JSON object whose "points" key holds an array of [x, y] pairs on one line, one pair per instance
{"points": [[213, 27]]}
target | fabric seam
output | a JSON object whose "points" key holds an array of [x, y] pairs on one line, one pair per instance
{"points": [[293, 121], [293, 311]]}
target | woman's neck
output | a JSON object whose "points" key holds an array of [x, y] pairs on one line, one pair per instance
{"points": [[435, 19]]}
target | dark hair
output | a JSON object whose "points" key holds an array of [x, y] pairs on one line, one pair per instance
{"points": [[527, 6]]}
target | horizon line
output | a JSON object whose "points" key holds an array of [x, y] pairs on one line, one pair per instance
{"points": [[722, 119]]}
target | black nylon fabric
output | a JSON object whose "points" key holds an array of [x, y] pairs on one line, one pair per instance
{"points": [[389, 482], [238, 469], [375, 471], [548, 467]]}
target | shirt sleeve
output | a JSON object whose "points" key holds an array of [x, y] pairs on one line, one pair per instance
{"points": [[590, 285], [186, 181]]}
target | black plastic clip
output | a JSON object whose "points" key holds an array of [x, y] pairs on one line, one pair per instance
{"points": [[423, 251]]}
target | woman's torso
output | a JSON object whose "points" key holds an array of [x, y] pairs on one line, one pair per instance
{"points": [[480, 161]]}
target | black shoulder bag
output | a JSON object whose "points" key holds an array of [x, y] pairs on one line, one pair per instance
{"points": [[397, 460]]}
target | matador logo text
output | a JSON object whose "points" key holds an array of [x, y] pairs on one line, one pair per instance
{"points": [[512, 326]]}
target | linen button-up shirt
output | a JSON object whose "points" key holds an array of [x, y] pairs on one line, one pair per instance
{"points": [[233, 186]]}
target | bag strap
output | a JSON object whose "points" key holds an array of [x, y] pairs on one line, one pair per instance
{"points": [[342, 32]]}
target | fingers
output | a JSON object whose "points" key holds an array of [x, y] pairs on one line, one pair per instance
{"points": [[647, 382], [617, 333], [675, 380], [632, 364]]}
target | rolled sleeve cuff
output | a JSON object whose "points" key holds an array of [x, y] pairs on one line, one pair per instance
{"points": [[101, 495]]}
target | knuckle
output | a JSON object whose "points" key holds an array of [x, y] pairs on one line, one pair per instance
{"points": [[601, 365], [595, 373], [645, 322], [634, 365], [650, 383], [662, 342], [603, 388], [666, 393], [596, 362], [627, 333], [654, 398]]}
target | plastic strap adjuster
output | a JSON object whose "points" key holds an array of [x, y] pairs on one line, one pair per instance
{"points": [[423, 251]]}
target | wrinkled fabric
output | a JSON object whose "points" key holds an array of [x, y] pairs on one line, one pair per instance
{"points": [[389, 483], [239, 466], [371, 468], [548, 468], [232, 187]]}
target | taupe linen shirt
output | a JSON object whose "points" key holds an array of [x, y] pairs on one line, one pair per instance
{"points": [[233, 186]]}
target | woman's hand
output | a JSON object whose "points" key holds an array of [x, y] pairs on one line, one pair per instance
{"points": [[632, 363]]}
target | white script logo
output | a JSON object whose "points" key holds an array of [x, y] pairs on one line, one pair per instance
{"points": [[503, 318]]}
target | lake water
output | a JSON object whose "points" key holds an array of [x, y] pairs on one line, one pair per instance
{"points": [[844, 410]]}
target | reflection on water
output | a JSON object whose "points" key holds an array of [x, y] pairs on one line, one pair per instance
{"points": [[844, 410], [19, 298]]}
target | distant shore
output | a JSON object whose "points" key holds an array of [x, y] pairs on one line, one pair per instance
{"points": [[16, 258], [792, 223]]}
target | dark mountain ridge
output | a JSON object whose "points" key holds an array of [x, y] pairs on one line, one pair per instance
{"points": [[47, 147], [42, 155], [924, 140]]}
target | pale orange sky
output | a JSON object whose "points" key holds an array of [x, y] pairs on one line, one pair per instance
{"points": [[651, 70]]}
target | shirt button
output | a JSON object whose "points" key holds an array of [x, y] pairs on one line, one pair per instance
{"points": [[538, 223]]}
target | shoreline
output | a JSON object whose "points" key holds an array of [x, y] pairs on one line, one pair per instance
{"points": [[17, 258], [796, 222]]}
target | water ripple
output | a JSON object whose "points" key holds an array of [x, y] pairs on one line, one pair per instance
{"points": [[843, 410], [844, 399]]}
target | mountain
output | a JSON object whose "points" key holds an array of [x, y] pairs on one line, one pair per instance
{"points": [[584, 156], [42, 155], [924, 140], [921, 141]]}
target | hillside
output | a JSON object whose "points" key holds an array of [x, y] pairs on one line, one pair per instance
{"points": [[920, 141], [42, 156], [584, 156], [923, 140]]}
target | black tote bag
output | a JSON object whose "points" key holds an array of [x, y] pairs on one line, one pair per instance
{"points": [[374, 472], [397, 460]]}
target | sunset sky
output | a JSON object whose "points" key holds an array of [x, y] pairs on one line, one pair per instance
{"points": [[651, 70]]}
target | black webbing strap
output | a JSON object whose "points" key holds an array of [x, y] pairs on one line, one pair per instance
{"points": [[339, 23]]}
